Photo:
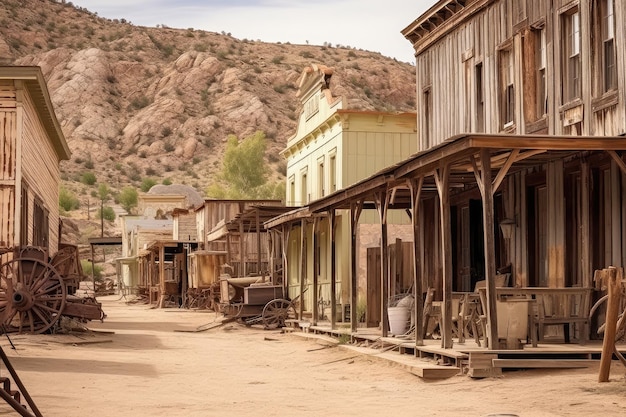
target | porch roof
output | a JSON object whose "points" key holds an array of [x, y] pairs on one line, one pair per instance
{"points": [[509, 153]]}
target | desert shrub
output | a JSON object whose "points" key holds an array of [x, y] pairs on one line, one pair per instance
{"points": [[88, 178], [147, 183], [68, 200], [107, 213], [87, 269]]}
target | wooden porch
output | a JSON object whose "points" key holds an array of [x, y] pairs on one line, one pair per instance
{"points": [[432, 361], [425, 186]]}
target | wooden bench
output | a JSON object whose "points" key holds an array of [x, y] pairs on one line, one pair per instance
{"points": [[555, 307]]}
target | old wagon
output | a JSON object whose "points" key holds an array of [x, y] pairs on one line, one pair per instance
{"points": [[254, 301], [35, 291]]}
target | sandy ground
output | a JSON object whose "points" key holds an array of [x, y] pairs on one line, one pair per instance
{"points": [[144, 367]]}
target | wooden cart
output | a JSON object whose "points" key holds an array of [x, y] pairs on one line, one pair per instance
{"points": [[254, 301], [36, 291]]}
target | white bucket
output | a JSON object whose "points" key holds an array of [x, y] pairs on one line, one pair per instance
{"points": [[398, 320]]}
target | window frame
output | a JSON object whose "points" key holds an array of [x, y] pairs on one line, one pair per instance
{"points": [[506, 85], [571, 58]]}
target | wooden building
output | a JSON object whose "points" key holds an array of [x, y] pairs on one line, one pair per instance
{"points": [[548, 68], [32, 145], [214, 222], [520, 169]]}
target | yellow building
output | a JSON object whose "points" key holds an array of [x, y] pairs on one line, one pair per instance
{"points": [[333, 147]]}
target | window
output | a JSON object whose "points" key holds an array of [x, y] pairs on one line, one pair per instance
{"points": [[541, 103], [304, 196], [321, 185], [333, 173], [480, 99], [608, 43], [292, 190], [428, 104], [571, 65], [507, 89], [40, 224], [605, 46], [24, 217]]}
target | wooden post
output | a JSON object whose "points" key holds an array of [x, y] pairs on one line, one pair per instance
{"points": [[442, 178], [355, 213], [285, 248], [485, 185], [333, 269], [258, 241], [416, 190], [302, 264], [242, 248], [161, 275], [316, 265], [490, 248], [381, 205], [615, 276]]}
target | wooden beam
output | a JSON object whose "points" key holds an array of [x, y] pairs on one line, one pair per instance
{"points": [[614, 279], [442, 177], [415, 185], [333, 269], [382, 201], [490, 250], [242, 249], [355, 213], [302, 264], [504, 170], [258, 242], [316, 263], [619, 161]]}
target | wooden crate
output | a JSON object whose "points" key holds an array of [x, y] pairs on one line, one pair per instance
{"points": [[261, 294]]}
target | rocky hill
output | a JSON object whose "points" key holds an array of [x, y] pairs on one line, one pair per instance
{"points": [[138, 102]]}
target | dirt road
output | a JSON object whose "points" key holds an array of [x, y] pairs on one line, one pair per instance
{"points": [[147, 366]]}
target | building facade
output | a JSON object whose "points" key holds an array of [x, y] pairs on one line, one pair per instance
{"points": [[32, 145], [334, 147]]}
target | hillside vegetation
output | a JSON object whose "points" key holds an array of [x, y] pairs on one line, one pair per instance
{"points": [[158, 104]]}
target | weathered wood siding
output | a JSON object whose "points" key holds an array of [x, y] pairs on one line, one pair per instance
{"points": [[8, 164], [185, 227], [446, 68], [40, 171], [447, 87]]}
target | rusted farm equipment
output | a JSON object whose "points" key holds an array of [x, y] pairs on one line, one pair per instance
{"points": [[255, 302], [36, 291]]}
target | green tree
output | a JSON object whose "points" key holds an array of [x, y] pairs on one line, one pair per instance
{"points": [[67, 200], [128, 198], [244, 170], [103, 192]]}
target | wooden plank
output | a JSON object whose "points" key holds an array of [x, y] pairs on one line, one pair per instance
{"points": [[435, 373], [480, 360], [542, 363]]}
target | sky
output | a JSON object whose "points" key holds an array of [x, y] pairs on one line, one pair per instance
{"points": [[372, 25]]}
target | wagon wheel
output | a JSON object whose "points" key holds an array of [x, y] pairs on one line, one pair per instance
{"points": [[32, 295], [276, 312], [621, 319]]}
